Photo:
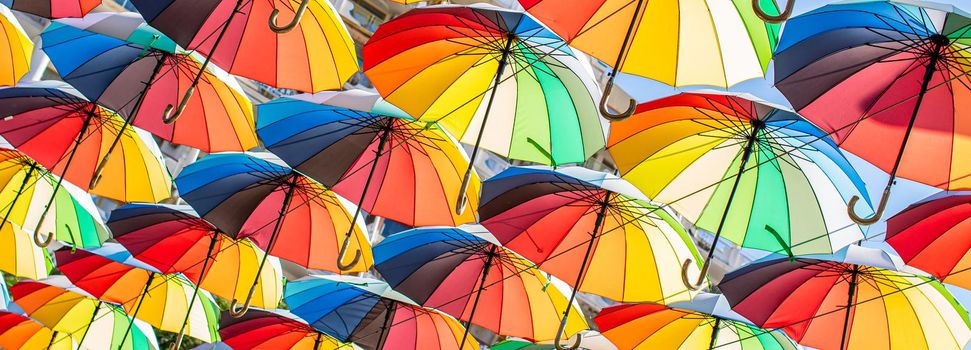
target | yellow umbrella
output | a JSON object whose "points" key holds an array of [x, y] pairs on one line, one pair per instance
{"points": [[15, 49], [19, 256]]}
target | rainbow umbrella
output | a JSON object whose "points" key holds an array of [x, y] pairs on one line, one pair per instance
{"points": [[462, 270], [15, 49], [889, 71], [353, 141], [173, 239], [580, 225], [94, 324], [21, 332], [53, 8], [933, 236], [312, 54], [25, 184], [760, 177], [703, 323], [438, 63], [256, 196], [69, 135], [111, 274], [679, 43], [368, 312], [274, 329], [855, 299], [21, 257], [109, 59]]}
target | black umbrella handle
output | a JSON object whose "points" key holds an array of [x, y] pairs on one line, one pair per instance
{"points": [[293, 23]]}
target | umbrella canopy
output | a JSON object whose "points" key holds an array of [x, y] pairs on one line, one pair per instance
{"points": [[448, 63], [933, 236], [69, 135], [274, 329], [139, 80], [369, 313], [460, 272], [314, 54], [894, 71], [333, 137], [581, 225], [852, 300], [92, 323], [699, 324], [19, 256], [15, 48], [21, 332], [760, 177], [53, 8], [111, 274]]}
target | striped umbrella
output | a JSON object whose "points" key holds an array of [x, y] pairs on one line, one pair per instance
{"points": [[854, 299], [19, 256], [274, 329], [111, 274], [368, 312], [439, 63], [53, 8], [16, 48], [760, 177], [353, 142], [463, 270], [106, 57], [21, 332], [256, 196], [94, 324], [933, 236]]}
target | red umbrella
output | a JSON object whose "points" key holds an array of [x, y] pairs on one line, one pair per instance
{"points": [[934, 236]]}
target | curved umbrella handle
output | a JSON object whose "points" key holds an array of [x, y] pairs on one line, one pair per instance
{"points": [[463, 199], [684, 275], [293, 23], [43, 243], [168, 117], [603, 103], [851, 209], [178, 341], [100, 169], [559, 334], [235, 310], [786, 13], [340, 255]]}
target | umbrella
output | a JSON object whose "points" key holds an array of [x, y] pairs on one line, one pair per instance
{"points": [[53, 8], [21, 257], [703, 323], [580, 225], [679, 43], [462, 270], [15, 49], [438, 63], [889, 71], [854, 299], [25, 184], [107, 58], [368, 312], [760, 177], [352, 141], [933, 237], [94, 324], [312, 54], [255, 195], [111, 274], [69, 135], [274, 329], [173, 239], [21, 332]]}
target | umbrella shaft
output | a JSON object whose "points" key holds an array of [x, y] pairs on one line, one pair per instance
{"points": [[317, 341], [854, 274], [928, 75], [478, 292], [492, 96], [623, 47], [215, 44], [385, 133], [94, 316], [138, 105], [586, 256], [276, 230], [714, 329], [385, 327], [20, 192], [195, 290], [138, 306], [67, 164]]}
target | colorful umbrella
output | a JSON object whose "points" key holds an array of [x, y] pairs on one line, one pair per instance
{"points": [[933, 236], [256, 195], [106, 58], [93, 323], [25, 184], [353, 141], [53, 8], [703, 323], [760, 177], [173, 239], [69, 135], [274, 329], [368, 312], [852, 300], [21, 257], [15, 49], [20, 332], [111, 274], [580, 225], [311, 55], [460, 271], [438, 63], [679, 43], [889, 71]]}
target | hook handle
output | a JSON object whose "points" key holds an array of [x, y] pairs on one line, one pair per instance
{"points": [[168, 117], [43, 243], [559, 334], [463, 200], [178, 341], [786, 13], [701, 277], [851, 209], [99, 170], [340, 255], [235, 310], [632, 104], [293, 23]]}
